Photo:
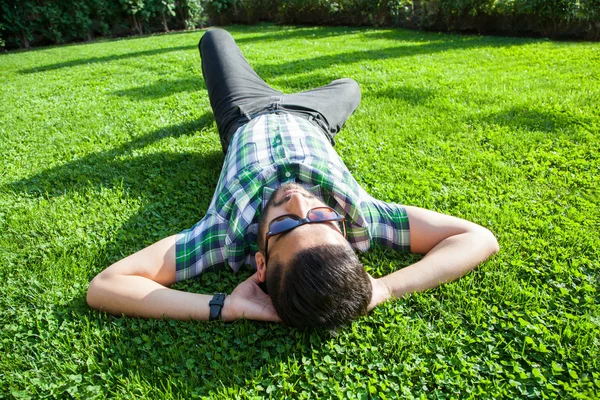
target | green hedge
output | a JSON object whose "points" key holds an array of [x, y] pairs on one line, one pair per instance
{"points": [[550, 18], [24, 23], [318, 12]]}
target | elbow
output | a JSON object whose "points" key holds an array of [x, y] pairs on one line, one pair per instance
{"points": [[496, 247], [491, 243], [91, 297], [94, 292]]}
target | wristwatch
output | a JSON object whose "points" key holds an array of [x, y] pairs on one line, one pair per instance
{"points": [[216, 305]]}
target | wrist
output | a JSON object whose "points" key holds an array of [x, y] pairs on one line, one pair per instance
{"points": [[227, 312], [216, 306], [380, 292], [385, 289]]}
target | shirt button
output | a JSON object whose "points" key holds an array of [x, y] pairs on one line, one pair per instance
{"points": [[330, 165], [236, 181], [287, 174]]}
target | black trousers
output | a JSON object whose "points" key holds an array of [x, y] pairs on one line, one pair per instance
{"points": [[237, 93]]}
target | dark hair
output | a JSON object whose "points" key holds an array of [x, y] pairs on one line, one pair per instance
{"points": [[322, 286]]}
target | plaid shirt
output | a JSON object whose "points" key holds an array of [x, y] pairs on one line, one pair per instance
{"points": [[272, 149]]}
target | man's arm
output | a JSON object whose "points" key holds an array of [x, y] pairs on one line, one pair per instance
{"points": [[137, 286], [452, 247]]}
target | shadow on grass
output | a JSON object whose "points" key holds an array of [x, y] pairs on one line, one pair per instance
{"points": [[175, 187], [532, 119], [286, 34], [408, 94], [303, 82], [300, 75], [407, 49], [289, 33], [431, 44], [102, 167], [163, 88], [96, 60]]}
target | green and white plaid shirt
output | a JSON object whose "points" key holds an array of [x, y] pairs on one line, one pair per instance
{"points": [[272, 149]]}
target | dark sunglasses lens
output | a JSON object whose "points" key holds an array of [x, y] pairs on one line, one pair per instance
{"points": [[282, 224], [322, 214]]}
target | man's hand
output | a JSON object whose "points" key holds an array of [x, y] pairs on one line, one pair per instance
{"points": [[380, 292], [250, 302]]}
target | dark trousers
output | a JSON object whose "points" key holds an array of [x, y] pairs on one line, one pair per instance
{"points": [[237, 93]]}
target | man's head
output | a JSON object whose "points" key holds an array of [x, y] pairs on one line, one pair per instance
{"points": [[313, 276]]}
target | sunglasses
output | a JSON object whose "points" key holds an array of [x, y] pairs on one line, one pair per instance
{"points": [[288, 222]]}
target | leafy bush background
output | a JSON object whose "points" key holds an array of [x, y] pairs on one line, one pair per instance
{"points": [[550, 18], [31, 22], [24, 23]]}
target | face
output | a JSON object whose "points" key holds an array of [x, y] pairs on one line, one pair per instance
{"points": [[294, 199]]}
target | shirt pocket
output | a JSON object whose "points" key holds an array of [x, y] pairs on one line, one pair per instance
{"points": [[296, 148], [243, 157]]}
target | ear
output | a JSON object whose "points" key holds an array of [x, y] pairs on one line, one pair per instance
{"points": [[261, 266]]}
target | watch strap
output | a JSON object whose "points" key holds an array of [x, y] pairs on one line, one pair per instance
{"points": [[216, 305]]}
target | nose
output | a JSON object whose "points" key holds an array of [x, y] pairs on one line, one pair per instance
{"points": [[298, 205]]}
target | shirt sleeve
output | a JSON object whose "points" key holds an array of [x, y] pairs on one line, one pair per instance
{"points": [[200, 247], [388, 224]]}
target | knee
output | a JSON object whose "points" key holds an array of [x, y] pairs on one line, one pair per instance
{"points": [[212, 35], [351, 90], [354, 87]]}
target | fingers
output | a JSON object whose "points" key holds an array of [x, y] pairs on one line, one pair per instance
{"points": [[269, 314], [254, 278]]}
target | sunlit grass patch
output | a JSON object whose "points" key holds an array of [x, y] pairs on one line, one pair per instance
{"points": [[108, 147]]}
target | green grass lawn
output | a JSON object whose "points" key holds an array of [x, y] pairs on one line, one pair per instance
{"points": [[108, 147]]}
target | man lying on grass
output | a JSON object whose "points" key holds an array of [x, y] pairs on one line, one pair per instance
{"points": [[286, 204]]}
